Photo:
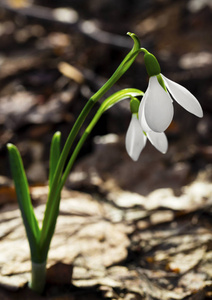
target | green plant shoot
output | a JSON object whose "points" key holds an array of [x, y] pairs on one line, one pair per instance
{"points": [[39, 237], [150, 118]]}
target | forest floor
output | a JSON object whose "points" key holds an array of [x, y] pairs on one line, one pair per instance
{"points": [[126, 230]]}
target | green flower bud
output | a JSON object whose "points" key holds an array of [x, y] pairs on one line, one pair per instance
{"points": [[152, 65], [134, 105]]}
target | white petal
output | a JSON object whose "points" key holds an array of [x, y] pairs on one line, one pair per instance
{"points": [[158, 107], [158, 140], [141, 115], [184, 97], [135, 138]]}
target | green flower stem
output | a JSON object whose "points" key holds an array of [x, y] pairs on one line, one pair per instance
{"points": [[144, 50], [38, 277], [110, 101], [126, 63], [77, 150], [53, 213], [49, 221]]}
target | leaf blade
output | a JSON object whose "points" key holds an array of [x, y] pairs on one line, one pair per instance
{"points": [[24, 200], [54, 155]]}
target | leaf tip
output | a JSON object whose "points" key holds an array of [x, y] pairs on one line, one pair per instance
{"points": [[10, 146], [58, 133]]}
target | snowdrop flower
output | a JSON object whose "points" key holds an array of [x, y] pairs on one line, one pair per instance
{"points": [[136, 138], [156, 109]]}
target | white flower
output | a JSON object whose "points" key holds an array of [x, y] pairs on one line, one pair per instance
{"points": [[136, 139], [156, 109]]}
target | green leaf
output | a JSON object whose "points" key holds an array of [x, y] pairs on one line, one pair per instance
{"points": [[52, 208], [24, 201], [47, 231], [54, 155]]}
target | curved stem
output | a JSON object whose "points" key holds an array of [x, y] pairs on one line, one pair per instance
{"points": [[144, 50], [53, 202], [113, 99], [125, 64], [122, 68], [77, 150]]}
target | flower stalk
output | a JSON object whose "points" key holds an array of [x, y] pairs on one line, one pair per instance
{"points": [[40, 237]]}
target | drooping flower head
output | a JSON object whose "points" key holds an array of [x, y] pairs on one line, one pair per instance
{"points": [[156, 110], [136, 137]]}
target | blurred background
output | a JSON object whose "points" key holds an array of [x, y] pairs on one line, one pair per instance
{"points": [[55, 54]]}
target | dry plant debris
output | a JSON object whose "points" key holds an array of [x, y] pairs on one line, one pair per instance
{"points": [[127, 249]]}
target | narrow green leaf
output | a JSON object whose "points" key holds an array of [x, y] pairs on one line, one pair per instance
{"points": [[47, 231], [54, 155], [52, 207], [24, 200]]}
